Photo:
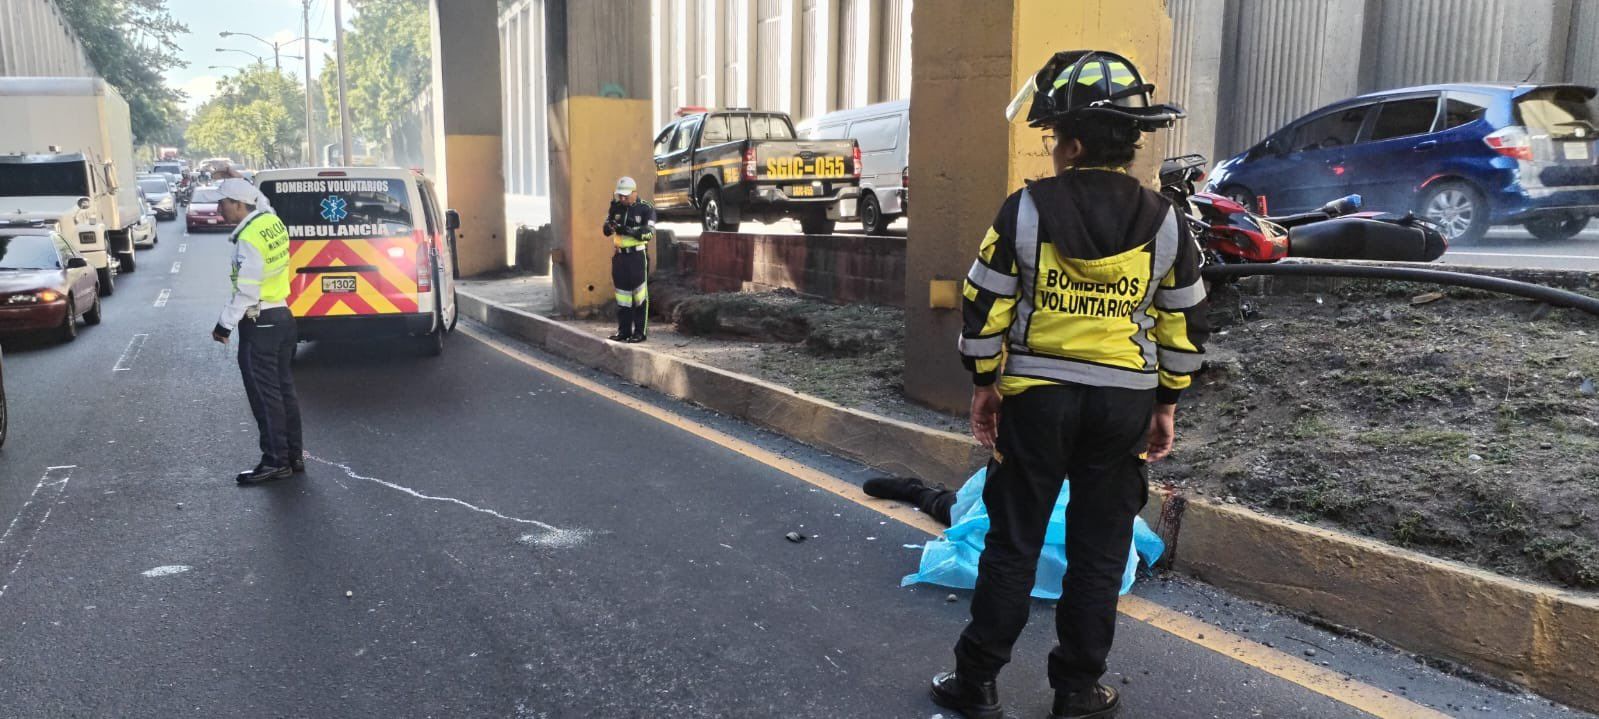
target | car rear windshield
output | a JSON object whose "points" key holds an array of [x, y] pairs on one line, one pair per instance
{"points": [[171, 168], [1559, 111], [205, 197], [154, 187], [343, 207], [770, 127], [43, 179], [28, 252]]}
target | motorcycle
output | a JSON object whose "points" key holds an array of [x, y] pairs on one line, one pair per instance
{"points": [[1229, 233]]}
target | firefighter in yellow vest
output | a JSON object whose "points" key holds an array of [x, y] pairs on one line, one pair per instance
{"points": [[1084, 318], [631, 225], [259, 310]]}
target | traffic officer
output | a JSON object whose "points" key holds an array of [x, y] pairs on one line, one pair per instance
{"points": [[630, 225], [1084, 318], [259, 310]]}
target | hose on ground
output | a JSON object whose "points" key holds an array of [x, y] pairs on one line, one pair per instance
{"points": [[1550, 295]]}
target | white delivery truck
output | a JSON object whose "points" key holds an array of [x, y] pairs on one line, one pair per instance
{"points": [[66, 156]]}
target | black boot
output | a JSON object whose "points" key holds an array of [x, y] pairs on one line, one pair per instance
{"points": [[905, 489], [264, 473], [974, 700], [1095, 702]]}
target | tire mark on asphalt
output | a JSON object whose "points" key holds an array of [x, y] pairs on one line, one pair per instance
{"points": [[11, 535], [552, 535]]}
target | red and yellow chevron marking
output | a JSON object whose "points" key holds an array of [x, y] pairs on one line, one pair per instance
{"points": [[389, 289]]}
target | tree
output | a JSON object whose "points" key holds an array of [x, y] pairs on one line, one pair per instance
{"points": [[257, 114], [132, 44], [387, 55]]}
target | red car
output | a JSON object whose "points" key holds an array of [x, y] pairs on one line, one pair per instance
{"points": [[203, 214], [44, 283]]}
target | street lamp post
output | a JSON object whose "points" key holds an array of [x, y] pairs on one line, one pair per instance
{"points": [[277, 62], [345, 147]]}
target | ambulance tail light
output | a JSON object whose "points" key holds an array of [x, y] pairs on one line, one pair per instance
{"points": [[749, 164], [424, 263]]}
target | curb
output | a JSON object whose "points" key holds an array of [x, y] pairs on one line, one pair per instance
{"points": [[893, 446], [1538, 637]]}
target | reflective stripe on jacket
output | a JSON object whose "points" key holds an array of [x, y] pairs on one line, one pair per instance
{"points": [[1115, 300], [635, 224]]}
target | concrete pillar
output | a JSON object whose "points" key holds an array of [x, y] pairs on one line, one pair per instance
{"points": [[969, 59], [467, 126], [598, 65]]}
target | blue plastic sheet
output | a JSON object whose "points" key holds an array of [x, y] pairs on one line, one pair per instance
{"points": [[952, 560]]}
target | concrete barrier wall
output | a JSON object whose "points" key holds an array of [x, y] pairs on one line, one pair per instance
{"points": [[837, 268]]}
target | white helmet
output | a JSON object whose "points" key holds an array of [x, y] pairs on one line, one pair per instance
{"points": [[626, 186]]}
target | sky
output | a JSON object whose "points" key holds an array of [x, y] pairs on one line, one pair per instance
{"points": [[271, 19]]}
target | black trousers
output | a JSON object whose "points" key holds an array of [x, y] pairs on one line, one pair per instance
{"points": [[266, 352], [630, 275], [1091, 435]]}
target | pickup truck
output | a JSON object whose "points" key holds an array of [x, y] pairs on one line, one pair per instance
{"points": [[727, 166]]}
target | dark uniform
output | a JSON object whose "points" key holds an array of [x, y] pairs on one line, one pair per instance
{"points": [[631, 227]]}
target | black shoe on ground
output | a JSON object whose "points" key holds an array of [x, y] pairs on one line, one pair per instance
{"points": [[635, 339], [298, 465], [901, 488], [618, 337], [263, 473], [1095, 702], [974, 700]]}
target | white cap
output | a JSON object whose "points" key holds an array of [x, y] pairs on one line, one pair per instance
{"points": [[240, 190], [626, 186]]}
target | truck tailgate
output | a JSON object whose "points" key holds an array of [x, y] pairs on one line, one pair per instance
{"points": [[783, 160]]}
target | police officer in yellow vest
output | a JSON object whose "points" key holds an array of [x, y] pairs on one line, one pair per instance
{"points": [[631, 225], [1084, 319], [259, 310]]}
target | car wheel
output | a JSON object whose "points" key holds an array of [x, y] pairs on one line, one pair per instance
{"points": [[92, 317], [872, 219], [1458, 209], [1556, 229], [817, 223], [108, 282], [711, 212], [69, 325], [432, 343], [127, 262]]}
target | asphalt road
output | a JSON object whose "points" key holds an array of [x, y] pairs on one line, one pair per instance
{"points": [[479, 538], [1514, 247]]}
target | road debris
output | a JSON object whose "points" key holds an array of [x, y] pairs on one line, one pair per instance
{"points": [[794, 537]]}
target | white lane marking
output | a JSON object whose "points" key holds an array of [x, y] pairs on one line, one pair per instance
{"points": [[176, 266], [552, 535], [1522, 254], [166, 571], [183, 248], [161, 299], [125, 362], [60, 486]]}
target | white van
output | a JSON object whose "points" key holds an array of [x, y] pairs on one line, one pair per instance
{"points": [[371, 253], [884, 135]]}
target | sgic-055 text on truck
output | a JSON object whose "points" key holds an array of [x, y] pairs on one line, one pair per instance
{"points": [[727, 166]]}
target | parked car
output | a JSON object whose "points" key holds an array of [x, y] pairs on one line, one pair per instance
{"points": [[1464, 156], [883, 133], [159, 196], [44, 283], [202, 213], [731, 165]]}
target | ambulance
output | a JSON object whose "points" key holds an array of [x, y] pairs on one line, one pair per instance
{"points": [[371, 253]]}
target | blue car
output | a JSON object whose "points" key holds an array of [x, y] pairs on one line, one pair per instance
{"points": [[1465, 156]]}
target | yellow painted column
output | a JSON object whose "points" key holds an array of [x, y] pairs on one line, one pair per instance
{"points": [[597, 58], [969, 58], [467, 128]]}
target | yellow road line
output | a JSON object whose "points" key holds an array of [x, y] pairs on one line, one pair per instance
{"points": [[1338, 687]]}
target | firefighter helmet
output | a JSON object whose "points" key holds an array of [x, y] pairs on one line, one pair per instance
{"points": [[1090, 83]]}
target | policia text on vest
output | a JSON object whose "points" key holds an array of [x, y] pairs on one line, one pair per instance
{"points": [[258, 309]]}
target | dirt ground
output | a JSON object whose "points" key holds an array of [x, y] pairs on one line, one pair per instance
{"points": [[1465, 427]]}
